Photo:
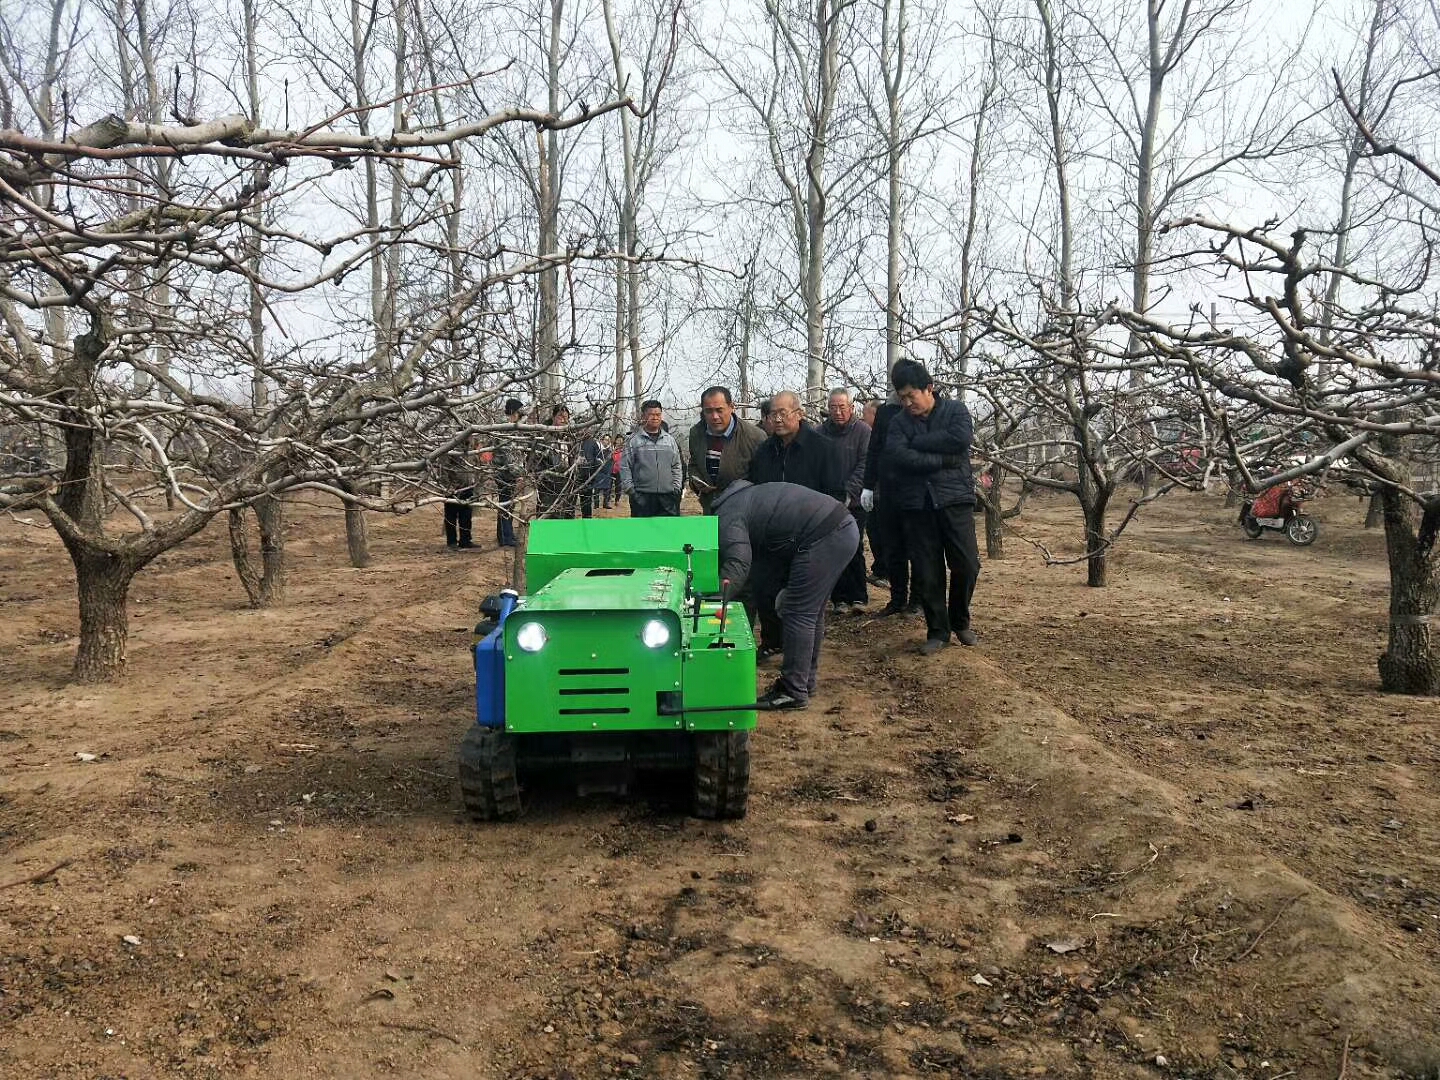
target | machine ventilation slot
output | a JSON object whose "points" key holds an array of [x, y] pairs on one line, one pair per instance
{"points": [[573, 691], [594, 671], [594, 712], [609, 571]]}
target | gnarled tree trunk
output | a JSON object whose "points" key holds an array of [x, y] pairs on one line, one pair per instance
{"points": [[1410, 663], [102, 580], [264, 584], [1093, 502]]}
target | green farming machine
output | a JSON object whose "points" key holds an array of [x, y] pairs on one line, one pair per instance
{"points": [[624, 658]]}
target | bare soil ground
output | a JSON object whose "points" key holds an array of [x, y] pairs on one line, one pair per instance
{"points": [[1169, 828]]}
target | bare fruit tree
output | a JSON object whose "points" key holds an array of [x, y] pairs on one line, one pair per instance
{"points": [[791, 93], [124, 401]]}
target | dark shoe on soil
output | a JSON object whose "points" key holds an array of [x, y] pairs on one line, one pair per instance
{"points": [[914, 609], [878, 581], [933, 645], [889, 610], [967, 637], [467, 545], [778, 699], [767, 652]]}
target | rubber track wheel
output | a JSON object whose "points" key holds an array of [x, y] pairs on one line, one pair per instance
{"points": [[722, 773], [487, 775]]}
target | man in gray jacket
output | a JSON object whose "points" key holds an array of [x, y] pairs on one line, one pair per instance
{"points": [[816, 536], [651, 470]]}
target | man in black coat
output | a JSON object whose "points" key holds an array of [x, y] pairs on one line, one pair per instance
{"points": [[926, 460], [811, 533], [795, 453], [887, 541]]}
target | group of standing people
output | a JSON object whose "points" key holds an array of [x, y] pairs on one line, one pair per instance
{"points": [[907, 476], [794, 500]]}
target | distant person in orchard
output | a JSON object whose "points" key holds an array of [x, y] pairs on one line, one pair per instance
{"points": [[617, 447], [815, 536], [595, 474], [651, 471], [506, 463], [457, 479], [927, 460], [554, 476], [721, 447], [850, 436]]}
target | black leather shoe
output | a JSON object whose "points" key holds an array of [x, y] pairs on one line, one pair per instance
{"points": [[769, 652], [933, 645], [967, 637], [889, 610]]}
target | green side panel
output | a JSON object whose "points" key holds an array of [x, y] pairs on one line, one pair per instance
{"points": [[719, 676], [637, 543], [594, 672]]}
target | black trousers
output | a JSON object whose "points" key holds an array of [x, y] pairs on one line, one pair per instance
{"points": [[851, 588], [504, 523], [937, 539], [458, 518], [587, 502], [892, 553], [654, 504]]}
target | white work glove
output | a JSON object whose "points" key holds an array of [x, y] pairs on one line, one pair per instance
{"points": [[867, 500]]}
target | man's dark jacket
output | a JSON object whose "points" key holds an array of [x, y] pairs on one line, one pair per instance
{"points": [[852, 447], [770, 522], [929, 457], [809, 460], [874, 477]]}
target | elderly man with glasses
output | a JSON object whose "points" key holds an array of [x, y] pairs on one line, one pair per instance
{"points": [[796, 453]]}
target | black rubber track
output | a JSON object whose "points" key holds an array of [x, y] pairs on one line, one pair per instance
{"points": [[722, 773], [487, 775]]}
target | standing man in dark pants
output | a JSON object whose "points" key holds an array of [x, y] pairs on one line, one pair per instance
{"points": [[458, 480], [507, 476], [651, 470], [892, 557], [851, 438], [555, 479], [817, 536], [594, 474], [927, 460]]}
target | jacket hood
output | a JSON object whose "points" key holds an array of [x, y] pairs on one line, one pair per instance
{"points": [[730, 489]]}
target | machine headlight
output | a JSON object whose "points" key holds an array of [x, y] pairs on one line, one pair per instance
{"points": [[531, 637], [656, 634]]}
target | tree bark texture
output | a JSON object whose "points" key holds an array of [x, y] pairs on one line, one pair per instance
{"points": [[102, 580], [1410, 663], [264, 584]]}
